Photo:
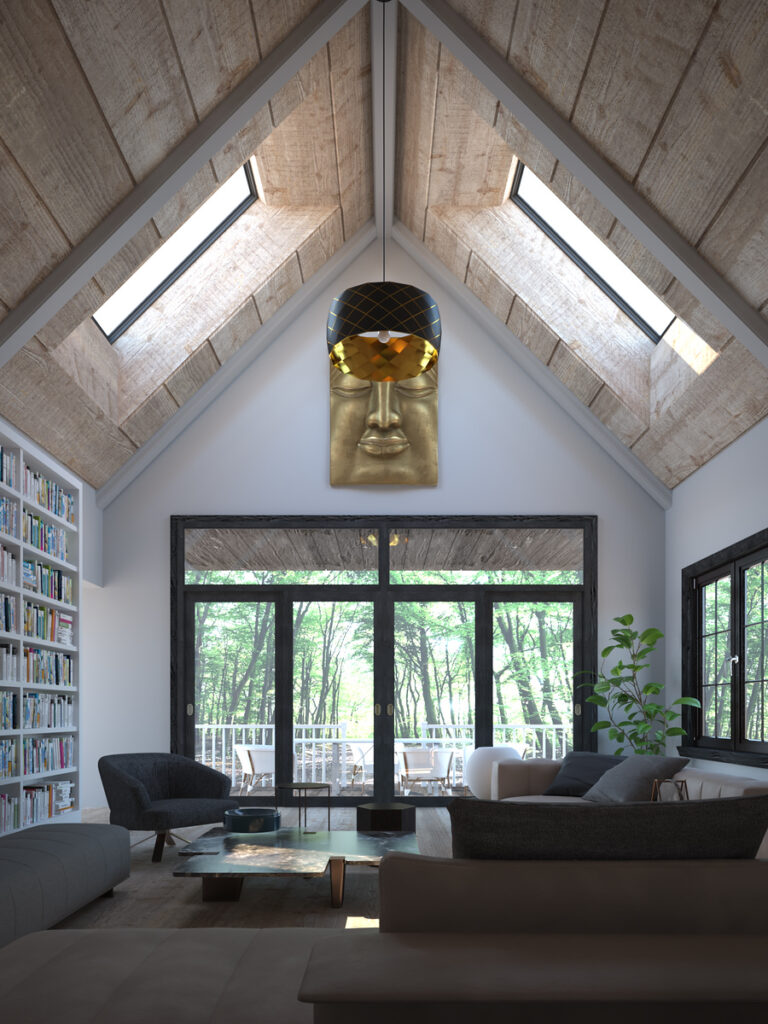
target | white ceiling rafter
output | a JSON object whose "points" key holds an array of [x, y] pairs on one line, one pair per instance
{"points": [[384, 79], [535, 369], [593, 171], [146, 198]]}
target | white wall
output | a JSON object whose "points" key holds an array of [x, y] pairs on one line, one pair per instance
{"points": [[262, 448], [723, 502]]}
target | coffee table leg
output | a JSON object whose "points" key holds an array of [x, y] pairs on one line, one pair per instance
{"points": [[222, 888], [338, 869]]}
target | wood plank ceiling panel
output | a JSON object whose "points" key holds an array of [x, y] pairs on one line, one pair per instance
{"points": [[350, 70], [128, 56], [51, 124], [216, 44], [31, 242], [74, 428], [716, 124], [297, 162], [418, 59], [470, 161]]}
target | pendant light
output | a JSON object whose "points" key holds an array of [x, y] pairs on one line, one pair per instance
{"points": [[383, 331]]}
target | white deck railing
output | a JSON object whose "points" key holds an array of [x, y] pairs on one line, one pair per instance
{"points": [[325, 753]]}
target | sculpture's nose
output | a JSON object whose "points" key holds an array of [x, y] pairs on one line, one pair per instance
{"points": [[383, 407]]}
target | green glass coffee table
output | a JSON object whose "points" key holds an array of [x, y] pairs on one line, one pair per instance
{"points": [[224, 860]]}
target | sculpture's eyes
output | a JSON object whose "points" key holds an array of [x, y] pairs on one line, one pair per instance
{"points": [[348, 386], [418, 387]]}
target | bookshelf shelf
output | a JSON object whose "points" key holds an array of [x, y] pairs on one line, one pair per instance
{"points": [[29, 484]]}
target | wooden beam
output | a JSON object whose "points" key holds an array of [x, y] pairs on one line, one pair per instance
{"points": [[607, 184], [536, 370], [203, 142]]}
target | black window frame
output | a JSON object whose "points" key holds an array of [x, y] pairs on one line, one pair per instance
{"points": [[187, 262], [733, 561], [383, 593], [580, 262]]}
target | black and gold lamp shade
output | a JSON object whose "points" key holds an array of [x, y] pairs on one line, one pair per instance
{"points": [[401, 309]]}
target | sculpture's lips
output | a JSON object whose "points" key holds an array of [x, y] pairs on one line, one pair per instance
{"points": [[383, 444]]}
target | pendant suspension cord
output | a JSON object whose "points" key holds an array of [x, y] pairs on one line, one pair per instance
{"points": [[383, 142]]}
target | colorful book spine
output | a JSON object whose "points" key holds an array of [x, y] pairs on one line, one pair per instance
{"points": [[47, 711], [8, 566], [49, 494], [48, 668], [9, 813], [45, 537], [9, 758], [47, 753], [9, 517], [9, 467], [9, 663], [9, 716], [45, 580]]}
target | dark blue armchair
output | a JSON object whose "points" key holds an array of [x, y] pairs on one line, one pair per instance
{"points": [[160, 792]]}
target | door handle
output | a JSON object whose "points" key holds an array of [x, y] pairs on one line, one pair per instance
{"points": [[190, 710], [390, 709], [377, 709]]}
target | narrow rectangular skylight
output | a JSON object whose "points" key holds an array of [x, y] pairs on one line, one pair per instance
{"points": [[590, 253], [177, 254]]}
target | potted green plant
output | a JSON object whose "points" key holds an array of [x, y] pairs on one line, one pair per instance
{"points": [[636, 719]]}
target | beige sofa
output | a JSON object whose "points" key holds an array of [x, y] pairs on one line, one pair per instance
{"points": [[459, 940], [526, 780]]}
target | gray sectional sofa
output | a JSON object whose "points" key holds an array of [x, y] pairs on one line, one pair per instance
{"points": [[49, 871]]}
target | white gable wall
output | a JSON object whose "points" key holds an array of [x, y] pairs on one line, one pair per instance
{"points": [[262, 448], [723, 502]]}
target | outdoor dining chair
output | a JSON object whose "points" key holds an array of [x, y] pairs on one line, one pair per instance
{"points": [[425, 765], [257, 763]]}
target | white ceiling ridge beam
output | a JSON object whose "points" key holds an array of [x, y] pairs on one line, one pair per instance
{"points": [[215, 386], [592, 170], [384, 101], [535, 369], [211, 135]]}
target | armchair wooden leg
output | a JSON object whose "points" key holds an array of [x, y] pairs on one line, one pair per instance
{"points": [[157, 853]]}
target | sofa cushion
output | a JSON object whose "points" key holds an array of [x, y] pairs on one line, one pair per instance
{"points": [[633, 778], [688, 830], [131, 975], [580, 770]]}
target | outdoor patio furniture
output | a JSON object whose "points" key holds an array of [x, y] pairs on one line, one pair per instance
{"points": [[425, 765], [257, 762]]}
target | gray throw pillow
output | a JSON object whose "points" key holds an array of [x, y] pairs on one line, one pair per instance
{"points": [[579, 771], [677, 830], [632, 780]]}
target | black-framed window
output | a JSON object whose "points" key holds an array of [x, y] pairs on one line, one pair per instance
{"points": [[590, 254], [177, 254], [725, 653], [400, 569]]}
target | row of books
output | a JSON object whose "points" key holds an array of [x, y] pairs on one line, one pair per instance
{"points": [[8, 566], [48, 623], [9, 758], [44, 801], [47, 668], [9, 663], [9, 466], [7, 613], [49, 494], [45, 537], [8, 710], [9, 517], [47, 753], [47, 581], [47, 711], [9, 812]]}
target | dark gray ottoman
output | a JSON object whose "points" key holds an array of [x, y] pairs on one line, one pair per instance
{"points": [[49, 871]]}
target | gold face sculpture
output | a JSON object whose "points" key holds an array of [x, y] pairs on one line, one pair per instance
{"points": [[384, 433]]}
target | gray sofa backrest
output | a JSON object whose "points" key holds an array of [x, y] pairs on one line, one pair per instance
{"points": [[425, 894]]}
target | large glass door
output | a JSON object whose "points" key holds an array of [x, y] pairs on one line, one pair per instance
{"points": [[434, 696], [333, 708], [533, 677], [233, 713]]}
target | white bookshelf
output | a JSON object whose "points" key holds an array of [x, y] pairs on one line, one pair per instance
{"points": [[39, 664]]}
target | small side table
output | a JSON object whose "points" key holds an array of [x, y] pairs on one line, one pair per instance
{"points": [[304, 788], [395, 817], [679, 785]]}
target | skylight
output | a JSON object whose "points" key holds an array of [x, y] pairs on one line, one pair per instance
{"points": [[177, 253], [590, 253]]}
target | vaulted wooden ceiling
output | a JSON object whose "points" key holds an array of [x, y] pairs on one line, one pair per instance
{"points": [[98, 98]]}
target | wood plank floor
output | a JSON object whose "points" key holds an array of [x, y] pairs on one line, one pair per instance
{"points": [[153, 898]]}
